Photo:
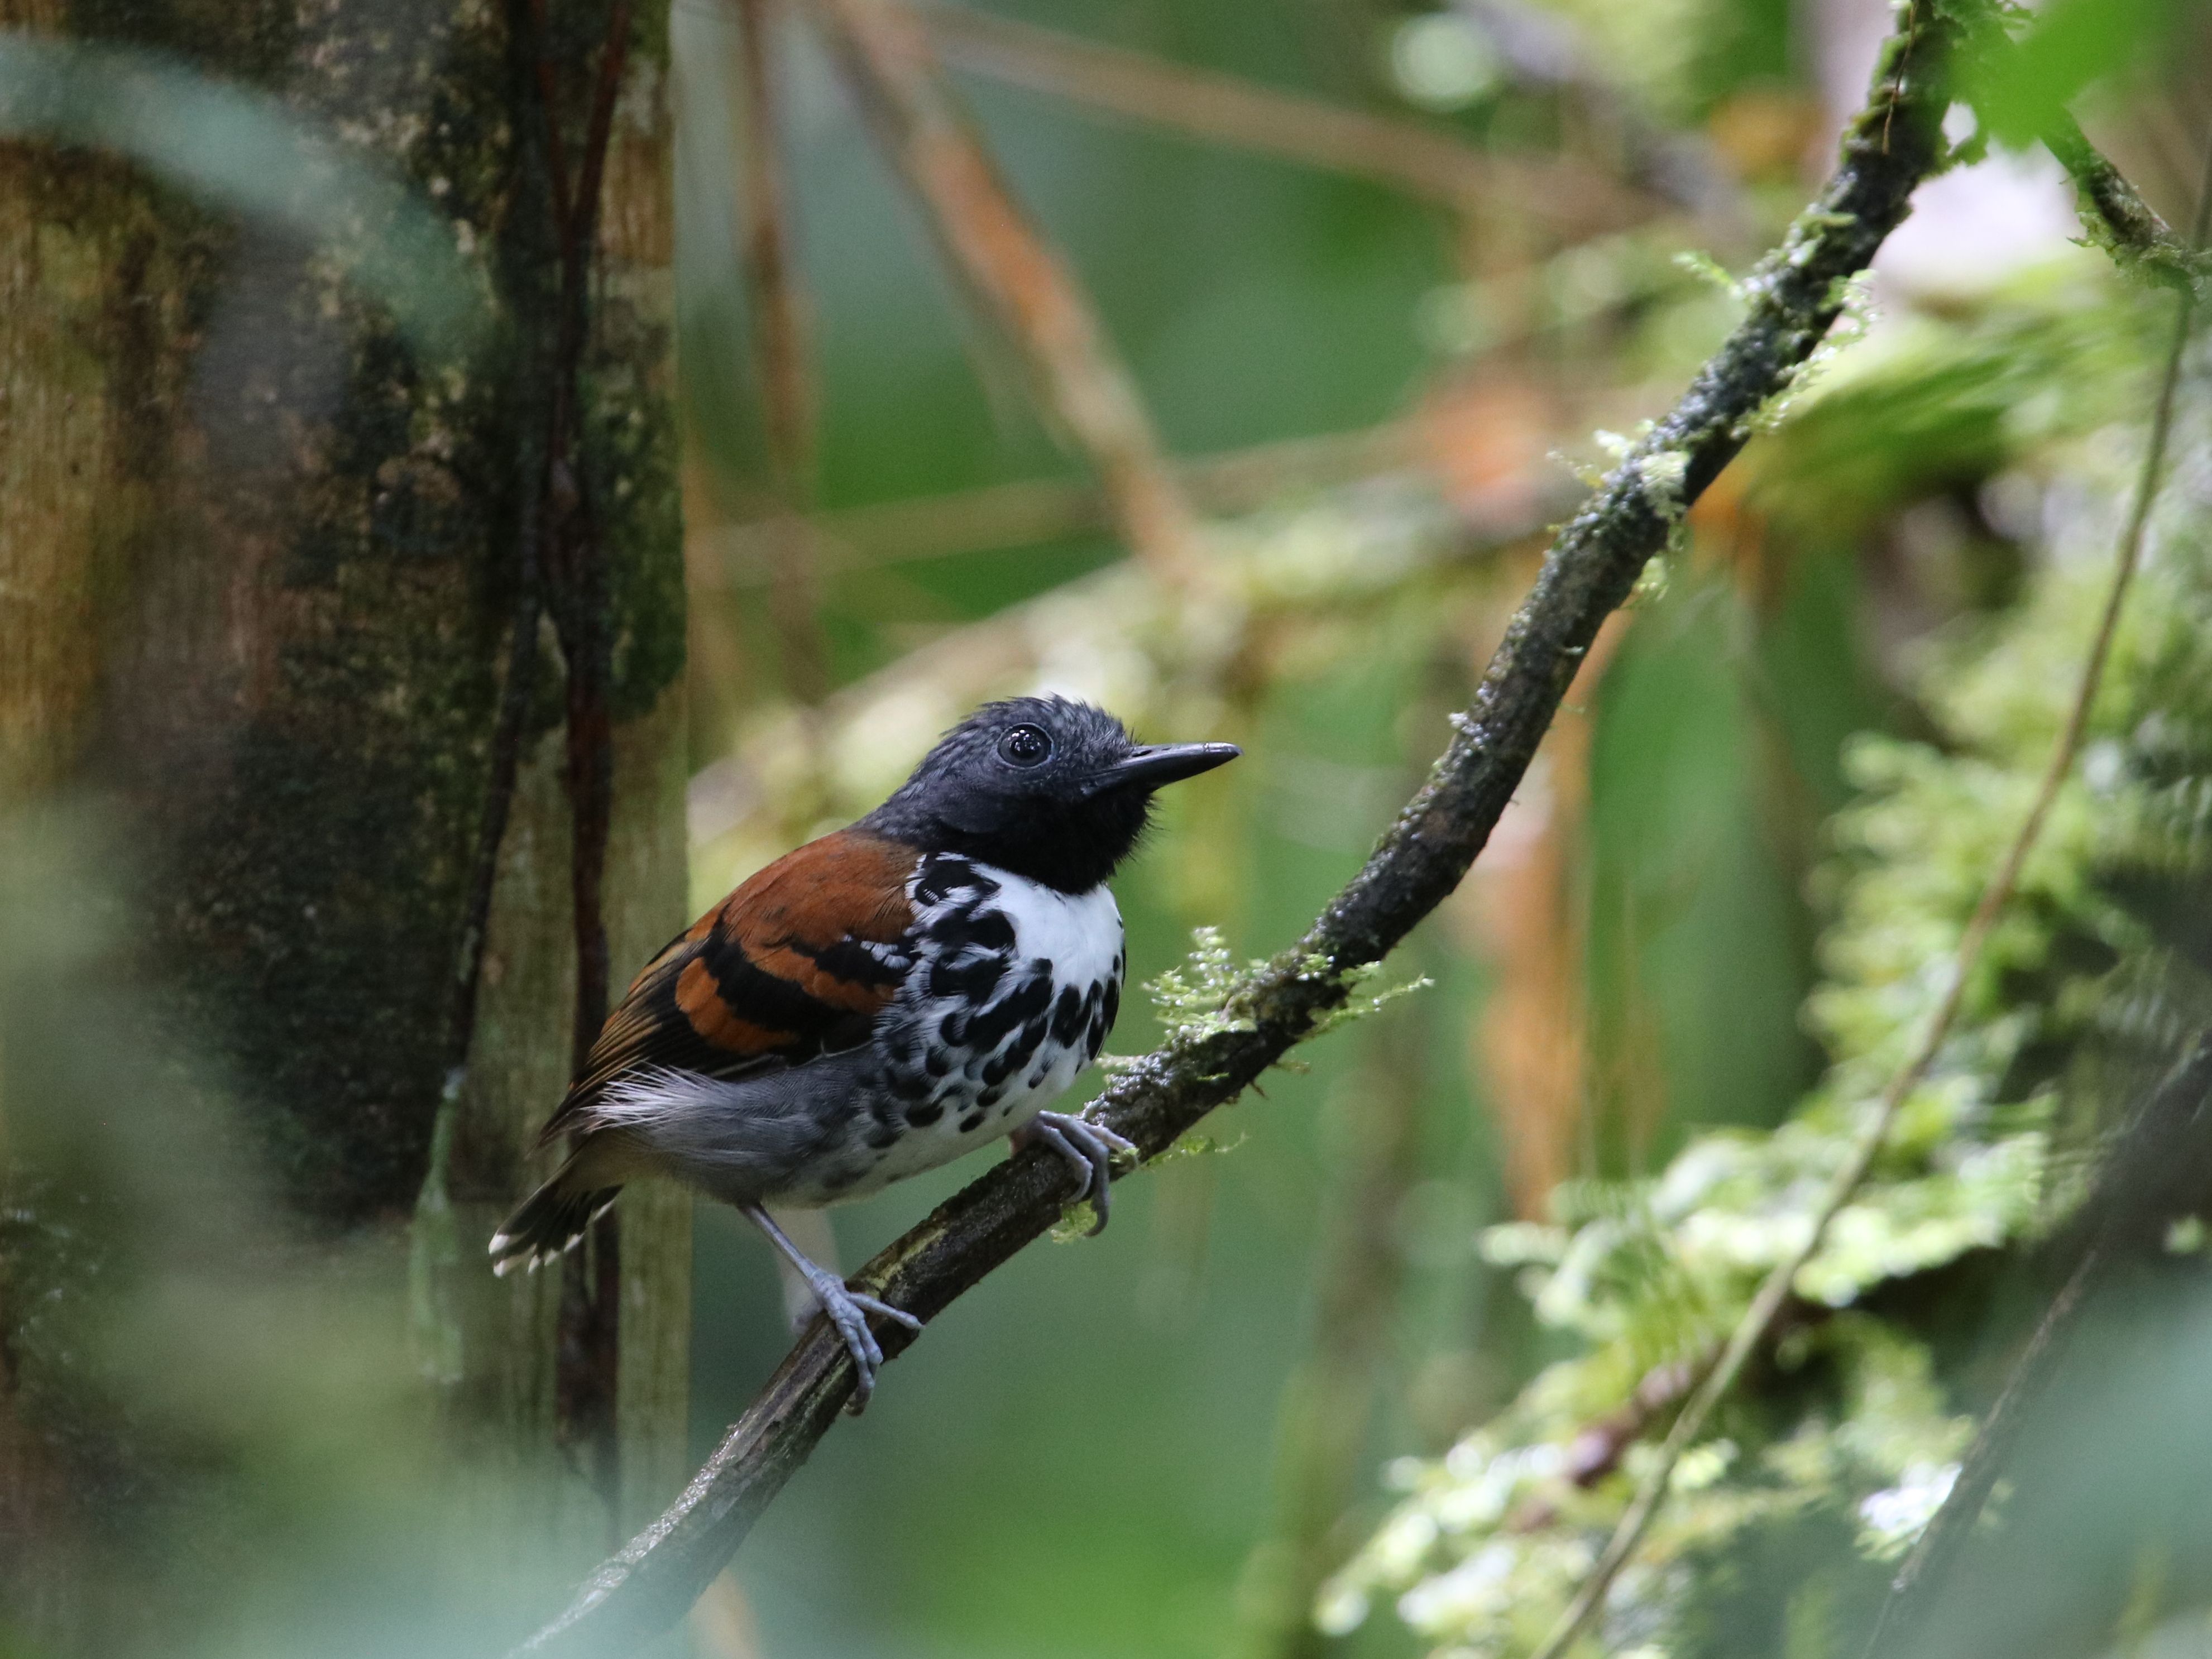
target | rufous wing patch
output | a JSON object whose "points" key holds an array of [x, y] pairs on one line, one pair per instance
{"points": [[699, 995], [796, 962], [798, 918]]}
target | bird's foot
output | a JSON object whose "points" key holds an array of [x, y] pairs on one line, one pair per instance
{"points": [[848, 1310], [1088, 1147]]}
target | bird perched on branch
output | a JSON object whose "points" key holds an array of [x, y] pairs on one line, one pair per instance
{"points": [[881, 1000]]}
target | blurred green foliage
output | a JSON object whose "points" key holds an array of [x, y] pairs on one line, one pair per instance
{"points": [[1812, 737], [2062, 49], [236, 148], [2079, 999], [1134, 1376]]}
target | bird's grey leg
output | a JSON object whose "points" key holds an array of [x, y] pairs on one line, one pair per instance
{"points": [[1088, 1147], [849, 1309]]}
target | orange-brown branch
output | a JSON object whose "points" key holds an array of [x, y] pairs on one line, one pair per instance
{"points": [[1012, 273]]}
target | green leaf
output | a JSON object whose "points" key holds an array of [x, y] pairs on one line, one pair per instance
{"points": [[2072, 44]]}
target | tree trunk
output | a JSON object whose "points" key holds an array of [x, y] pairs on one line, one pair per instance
{"points": [[260, 554]]}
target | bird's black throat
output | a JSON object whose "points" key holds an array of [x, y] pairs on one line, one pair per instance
{"points": [[1071, 847]]}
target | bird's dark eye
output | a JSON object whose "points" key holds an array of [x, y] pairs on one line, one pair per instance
{"points": [[1026, 745]]}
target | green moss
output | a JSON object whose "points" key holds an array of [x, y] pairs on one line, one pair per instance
{"points": [[311, 824], [1851, 1427], [633, 450]]}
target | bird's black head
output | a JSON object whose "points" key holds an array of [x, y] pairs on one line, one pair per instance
{"points": [[1046, 788]]}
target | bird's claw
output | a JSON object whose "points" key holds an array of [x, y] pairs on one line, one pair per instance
{"points": [[847, 1311], [898, 1315], [1089, 1148]]}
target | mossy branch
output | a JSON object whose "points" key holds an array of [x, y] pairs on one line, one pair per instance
{"points": [[1774, 1292], [2118, 219], [1793, 297]]}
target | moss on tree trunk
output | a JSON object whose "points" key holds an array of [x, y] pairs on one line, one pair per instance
{"points": [[257, 559]]}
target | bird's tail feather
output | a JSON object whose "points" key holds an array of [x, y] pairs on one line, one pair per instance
{"points": [[550, 1221]]}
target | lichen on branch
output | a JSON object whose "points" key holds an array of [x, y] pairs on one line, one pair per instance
{"points": [[2118, 219]]}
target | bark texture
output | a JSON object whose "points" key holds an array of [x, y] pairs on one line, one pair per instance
{"points": [[258, 555]]}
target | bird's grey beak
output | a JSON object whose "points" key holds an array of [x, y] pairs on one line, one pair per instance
{"points": [[1153, 766]]}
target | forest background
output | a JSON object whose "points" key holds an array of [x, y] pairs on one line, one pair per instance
{"points": [[478, 483]]}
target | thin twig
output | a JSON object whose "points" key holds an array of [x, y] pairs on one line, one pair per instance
{"points": [[1226, 109], [1034, 510], [772, 283], [1542, 51], [1795, 295], [1391, 535], [2120, 221], [2139, 1173], [1049, 510], [781, 358], [1751, 1329], [2147, 1152], [1597, 1448], [1012, 273]]}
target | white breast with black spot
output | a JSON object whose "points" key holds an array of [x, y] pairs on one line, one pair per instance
{"points": [[1014, 988]]}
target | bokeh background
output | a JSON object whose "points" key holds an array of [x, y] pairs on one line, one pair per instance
{"points": [[1139, 1435], [1386, 280]]}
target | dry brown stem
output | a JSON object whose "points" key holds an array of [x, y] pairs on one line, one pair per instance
{"points": [[1012, 273], [1242, 115]]}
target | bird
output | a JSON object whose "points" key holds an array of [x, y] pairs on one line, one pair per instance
{"points": [[882, 1001]]}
